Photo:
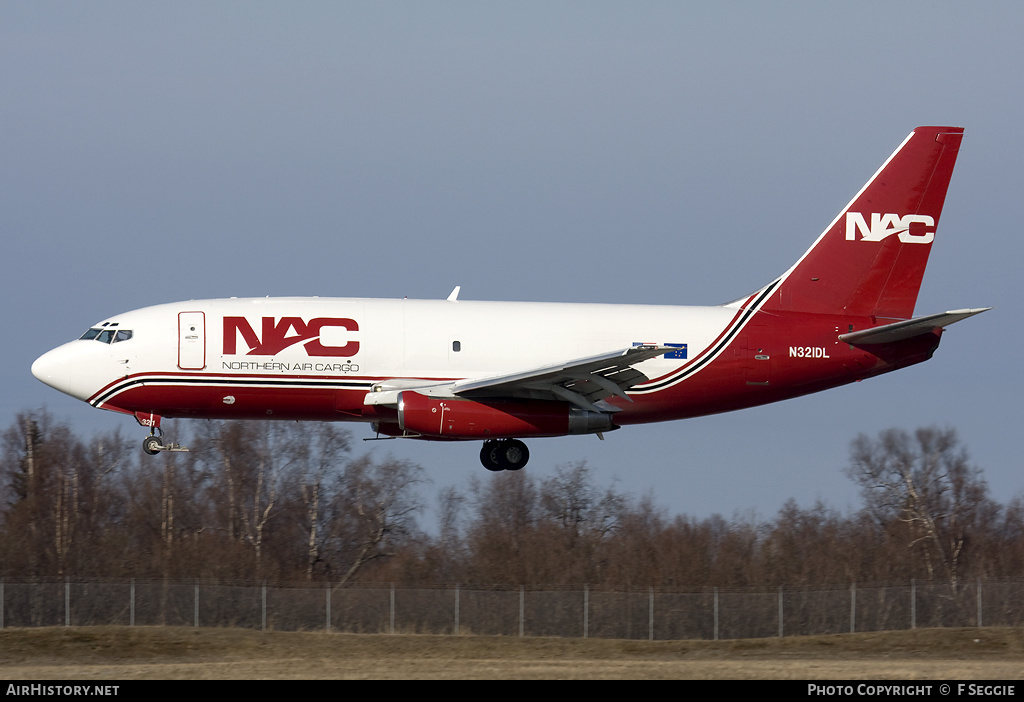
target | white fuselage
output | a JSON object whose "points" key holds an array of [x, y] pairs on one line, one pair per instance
{"points": [[377, 339]]}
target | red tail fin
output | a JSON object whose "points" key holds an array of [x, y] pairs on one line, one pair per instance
{"points": [[872, 257]]}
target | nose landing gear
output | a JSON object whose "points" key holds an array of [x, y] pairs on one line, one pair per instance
{"points": [[504, 454], [153, 444]]}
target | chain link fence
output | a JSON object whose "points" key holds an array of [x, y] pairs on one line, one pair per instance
{"points": [[516, 611]]}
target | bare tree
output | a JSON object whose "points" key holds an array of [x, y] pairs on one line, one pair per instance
{"points": [[371, 512], [241, 474], [804, 546], [927, 483], [29, 460], [584, 518], [451, 503], [315, 452], [579, 507], [501, 534]]}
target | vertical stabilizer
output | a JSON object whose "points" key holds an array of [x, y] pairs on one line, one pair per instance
{"points": [[871, 258]]}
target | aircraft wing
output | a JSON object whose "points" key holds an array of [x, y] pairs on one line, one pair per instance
{"points": [[898, 331], [584, 382]]}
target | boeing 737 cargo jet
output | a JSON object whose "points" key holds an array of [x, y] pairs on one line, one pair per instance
{"points": [[499, 372]]}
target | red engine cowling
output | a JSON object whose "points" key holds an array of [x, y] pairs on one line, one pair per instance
{"points": [[449, 418]]}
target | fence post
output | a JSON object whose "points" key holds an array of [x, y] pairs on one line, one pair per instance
{"points": [[979, 603], [1, 603], [131, 616], [456, 609], [195, 606], [913, 603], [263, 606], [327, 608], [716, 614], [67, 600], [392, 608], [522, 610], [780, 611], [853, 607], [650, 616], [586, 611]]}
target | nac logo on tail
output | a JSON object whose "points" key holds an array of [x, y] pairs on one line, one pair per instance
{"points": [[911, 228]]}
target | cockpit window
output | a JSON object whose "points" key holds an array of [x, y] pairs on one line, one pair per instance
{"points": [[107, 336]]}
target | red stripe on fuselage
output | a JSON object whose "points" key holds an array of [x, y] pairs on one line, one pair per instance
{"points": [[223, 396]]}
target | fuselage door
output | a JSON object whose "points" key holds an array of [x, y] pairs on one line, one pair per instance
{"points": [[191, 340], [757, 359]]}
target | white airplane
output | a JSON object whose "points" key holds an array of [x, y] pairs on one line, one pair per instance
{"points": [[502, 371]]}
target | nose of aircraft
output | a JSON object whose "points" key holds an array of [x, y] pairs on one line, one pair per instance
{"points": [[54, 369]]}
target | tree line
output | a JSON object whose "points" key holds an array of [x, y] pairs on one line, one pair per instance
{"points": [[289, 502]]}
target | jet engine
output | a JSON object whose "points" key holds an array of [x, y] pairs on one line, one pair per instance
{"points": [[455, 418]]}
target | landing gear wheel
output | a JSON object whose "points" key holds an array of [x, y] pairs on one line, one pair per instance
{"points": [[151, 445], [514, 454], [507, 454], [490, 456]]}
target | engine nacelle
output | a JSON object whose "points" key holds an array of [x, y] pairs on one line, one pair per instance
{"points": [[449, 418]]}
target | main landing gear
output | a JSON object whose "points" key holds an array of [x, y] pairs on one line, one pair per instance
{"points": [[504, 454]]}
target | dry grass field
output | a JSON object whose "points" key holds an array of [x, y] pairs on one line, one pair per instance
{"points": [[120, 653]]}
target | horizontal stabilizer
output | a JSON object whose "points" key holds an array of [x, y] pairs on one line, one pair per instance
{"points": [[908, 329]]}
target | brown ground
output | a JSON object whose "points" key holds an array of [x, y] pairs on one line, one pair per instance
{"points": [[120, 653]]}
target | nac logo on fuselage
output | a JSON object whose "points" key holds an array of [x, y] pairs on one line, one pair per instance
{"points": [[279, 335], [911, 228]]}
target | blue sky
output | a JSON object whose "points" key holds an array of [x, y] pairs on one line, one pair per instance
{"points": [[657, 152]]}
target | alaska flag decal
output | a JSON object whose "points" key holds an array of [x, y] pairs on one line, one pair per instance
{"points": [[680, 351]]}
